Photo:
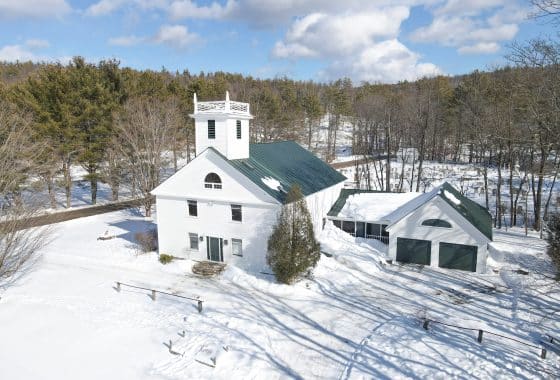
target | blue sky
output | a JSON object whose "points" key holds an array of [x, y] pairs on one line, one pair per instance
{"points": [[322, 40]]}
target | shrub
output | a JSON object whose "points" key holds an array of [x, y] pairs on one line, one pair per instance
{"points": [[292, 248], [165, 259], [147, 240]]}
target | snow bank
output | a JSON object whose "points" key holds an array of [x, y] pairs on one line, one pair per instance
{"points": [[366, 254]]}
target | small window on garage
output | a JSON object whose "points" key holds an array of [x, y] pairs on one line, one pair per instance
{"points": [[436, 223]]}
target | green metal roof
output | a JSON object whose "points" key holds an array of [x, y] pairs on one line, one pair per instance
{"points": [[287, 163], [344, 194], [476, 214]]}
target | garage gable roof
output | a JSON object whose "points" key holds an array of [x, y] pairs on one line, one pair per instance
{"points": [[474, 213]]}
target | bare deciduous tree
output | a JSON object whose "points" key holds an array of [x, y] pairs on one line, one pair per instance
{"points": [[17, 157], [145, 130]]}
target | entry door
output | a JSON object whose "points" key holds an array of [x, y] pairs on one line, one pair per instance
{"points": [[214, 248]]}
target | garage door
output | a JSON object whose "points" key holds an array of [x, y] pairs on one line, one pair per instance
{"points": [[414, 251], [457, 256]]}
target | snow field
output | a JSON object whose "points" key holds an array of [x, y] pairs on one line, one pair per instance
{"points": [[356, 318]]}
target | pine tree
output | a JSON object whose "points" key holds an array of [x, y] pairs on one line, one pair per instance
{"points": [[292, 247]]}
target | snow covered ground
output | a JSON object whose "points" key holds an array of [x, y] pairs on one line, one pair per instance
{"points": [[357, 318]]}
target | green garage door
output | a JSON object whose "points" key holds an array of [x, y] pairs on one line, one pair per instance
{"points": [[414, 251], [457, 256]]}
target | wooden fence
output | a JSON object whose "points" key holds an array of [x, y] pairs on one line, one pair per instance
{"points": [[546, 344], [153, 293]]}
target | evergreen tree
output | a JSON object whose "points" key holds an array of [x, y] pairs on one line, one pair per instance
{"points": [[292, 247]]}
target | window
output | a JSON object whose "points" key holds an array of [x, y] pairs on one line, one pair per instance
{"points": [[378, 232], [236, 213], [436, 223], [373, 230], [193, 238], [193, 208], [211, 129], [236, 247], [238, 129], [349, 227], [360, 229], [337, 223], [212, 181]]}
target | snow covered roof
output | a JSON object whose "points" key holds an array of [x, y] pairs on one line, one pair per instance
{"points": [[275, 167], [369, 205], [392, 207]]}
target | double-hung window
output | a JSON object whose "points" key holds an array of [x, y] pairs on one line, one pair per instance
{"points": [[237, 247], [236, 213], [193, 208], [193, 241]]}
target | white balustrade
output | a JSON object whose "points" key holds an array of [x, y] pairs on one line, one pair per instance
{"points": [[222, 106]]}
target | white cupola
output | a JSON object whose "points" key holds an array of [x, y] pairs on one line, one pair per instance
{"points": [[223, 125]]}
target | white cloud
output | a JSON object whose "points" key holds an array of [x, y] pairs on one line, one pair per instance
{"points": [[189, 9], [36, 43], [104, 7], [177, 36], [480, 48], [12, 53], [33, 8], [271, 13], [473, 27], [126, 41], [361, 45], [469, 7], [28, 52], [388, 61], [347, 33]]}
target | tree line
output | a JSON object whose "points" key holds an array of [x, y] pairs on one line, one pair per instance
{"points": [[126, 126]]}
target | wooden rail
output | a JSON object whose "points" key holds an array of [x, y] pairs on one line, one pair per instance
{"points": [[481, 332], [154, 291]]}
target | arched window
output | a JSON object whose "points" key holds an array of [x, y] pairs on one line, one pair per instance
{"points": [[212, 181], [436, 223]]}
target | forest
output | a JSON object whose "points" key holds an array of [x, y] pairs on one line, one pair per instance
{"points": [[123, 126]]}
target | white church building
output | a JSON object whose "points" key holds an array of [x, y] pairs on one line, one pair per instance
{"points": [[223, 204]]}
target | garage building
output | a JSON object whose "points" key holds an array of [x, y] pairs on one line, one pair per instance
{"points": [[441, 228]]}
